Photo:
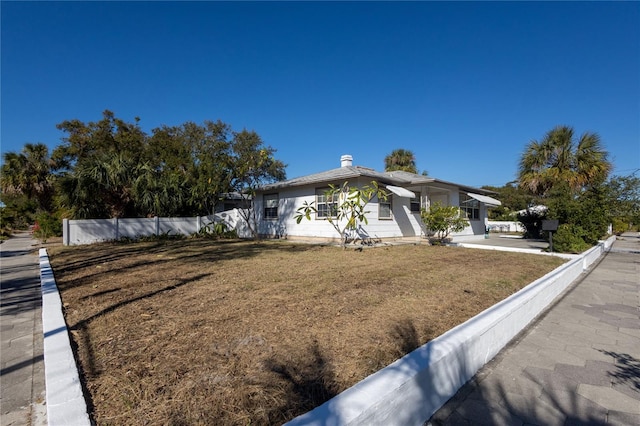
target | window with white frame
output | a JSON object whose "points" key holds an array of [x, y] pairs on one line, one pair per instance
{"points": [[270, 206], [326, 204], [470, 207], [414, 203], [384, 208]]}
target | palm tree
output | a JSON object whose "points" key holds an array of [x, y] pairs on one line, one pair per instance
{"points": [[29, 173], [400, 159], [559, 159]]}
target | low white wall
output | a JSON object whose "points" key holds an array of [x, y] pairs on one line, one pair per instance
{"points": [[505, 226], [412, 389], [65, 400], [178, 225], [89, 231]]}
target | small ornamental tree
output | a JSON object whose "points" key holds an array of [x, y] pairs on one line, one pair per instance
{"points": [[443, 220], [346, 208]]}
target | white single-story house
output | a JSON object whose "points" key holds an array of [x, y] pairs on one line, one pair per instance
{"points": [[396, 218]]}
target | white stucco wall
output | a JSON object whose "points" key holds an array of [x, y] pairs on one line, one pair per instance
{"points": [[404, 224]]}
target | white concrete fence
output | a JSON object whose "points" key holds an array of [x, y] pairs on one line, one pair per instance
{"points": [[89, 231], [505, 226]]}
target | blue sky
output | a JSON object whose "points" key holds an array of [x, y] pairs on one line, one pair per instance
{"points": [[465, 86]]}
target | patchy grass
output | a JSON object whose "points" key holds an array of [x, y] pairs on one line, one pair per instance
{"points": [[231, 332]]}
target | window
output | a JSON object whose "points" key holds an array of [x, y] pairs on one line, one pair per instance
{"points": [[384, 208], [415, 204], [327, 204], [270, 206], [470, 207]]}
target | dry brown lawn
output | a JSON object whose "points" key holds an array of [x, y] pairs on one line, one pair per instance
{"points": [[233, 332]]}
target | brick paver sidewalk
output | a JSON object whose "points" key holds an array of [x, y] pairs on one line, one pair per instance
{"points": [[22, 388], [578, 364]]}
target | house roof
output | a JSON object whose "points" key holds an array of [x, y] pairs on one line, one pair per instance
{"points": [[340, 174]]}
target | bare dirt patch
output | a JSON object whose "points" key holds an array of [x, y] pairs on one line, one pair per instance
{"points": [[231, 332]]}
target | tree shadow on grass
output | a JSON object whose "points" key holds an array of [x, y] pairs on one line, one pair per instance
{"points": [[310, 380], [307, 382], [81, 332], [81, 326], [408, 338], [188, 252]]}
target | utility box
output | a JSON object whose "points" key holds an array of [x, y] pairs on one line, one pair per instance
{"points": [[550, 225]]}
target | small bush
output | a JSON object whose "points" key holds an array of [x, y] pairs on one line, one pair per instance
{"points": [[217, 230], [442, 220], [47, 225], [619, 225], [569, 239], [164, 236], [532, 222]]}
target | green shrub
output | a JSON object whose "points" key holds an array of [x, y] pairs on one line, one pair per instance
{"points": [[532, 222], [569, 239], [619, 225], [217, 230], [442, 220], [164, 236], [47, 225]]}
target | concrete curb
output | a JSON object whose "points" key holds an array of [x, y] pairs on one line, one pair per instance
{"points": [[518, 250], [413, 388], [65, 400]]}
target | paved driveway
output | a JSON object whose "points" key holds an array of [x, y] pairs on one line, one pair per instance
{"points": [[510, 241]]}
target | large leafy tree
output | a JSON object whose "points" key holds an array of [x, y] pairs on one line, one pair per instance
{"points": [[86, 141], [513, 197], [100, 163], [111, 168], [624, 201], [562, 159], [253, 164], [400, 159], [195, 161]]}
